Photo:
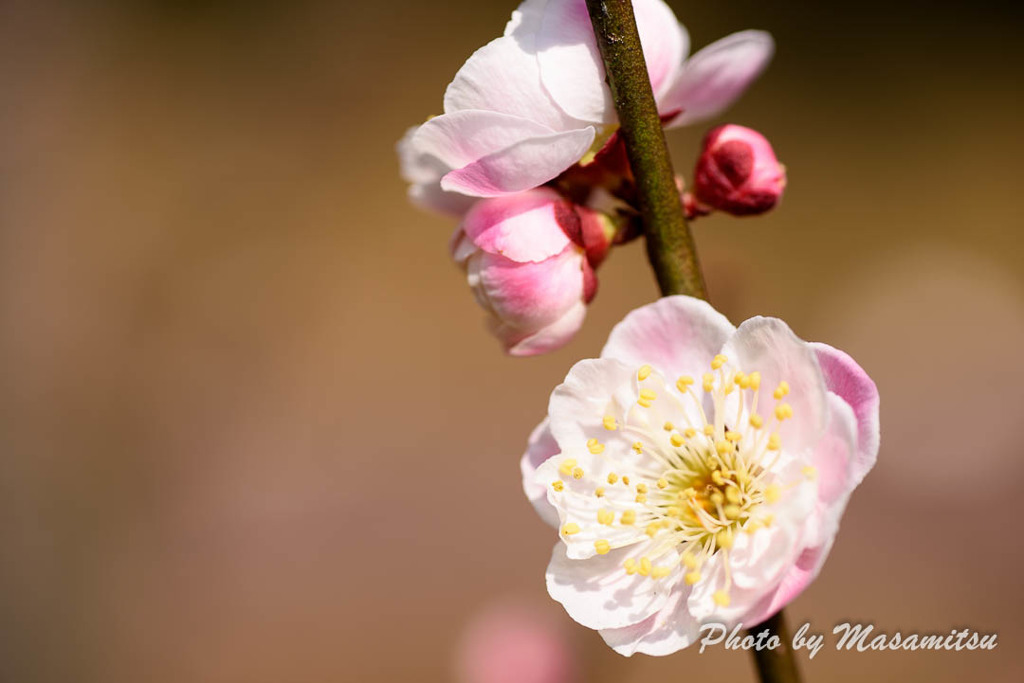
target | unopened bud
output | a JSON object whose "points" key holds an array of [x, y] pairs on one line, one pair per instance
{"points": [[737, 172]]}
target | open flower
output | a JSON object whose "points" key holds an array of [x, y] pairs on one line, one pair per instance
{"points": [[698, 472], [530, 261], [534, 102]]}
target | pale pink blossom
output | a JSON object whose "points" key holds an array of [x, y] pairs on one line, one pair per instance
{"points": [[697, 472], [534, 102], [530, 260], [514, 642], [737, 172]]}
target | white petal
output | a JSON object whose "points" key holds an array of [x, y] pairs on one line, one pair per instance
{"points": [[592, 389], [522, 166], [540, 447], [462, 137], [571, 66], [768, 346], [671, 629], [677, 335], [715, 77], [503, 76], [598, 593]]}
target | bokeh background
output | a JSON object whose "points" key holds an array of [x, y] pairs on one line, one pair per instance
{"points": [[252, 428]]}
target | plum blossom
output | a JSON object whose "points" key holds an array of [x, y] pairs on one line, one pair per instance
{"points": [[696, 472], [534, 102], [530, 260], [737, 172]]}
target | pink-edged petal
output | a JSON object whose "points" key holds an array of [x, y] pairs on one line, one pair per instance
{"points": [[522, 227], [424, 171], [844, 377], [598, 593], [768, 346], [463, 137], [678, 335], [551, 337], [800, 575], [503, 76], [669, 630], [571, 67], [540, 447], [527, 296], [715, 77], [523, 165], [832, 458]]}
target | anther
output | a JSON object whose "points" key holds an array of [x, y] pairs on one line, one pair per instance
{"points": [[609, 422], [718, 361], [567, 466], [781, 390], [605, 517], [602, 546], [571, 528], [558, 485], [644, 372]]}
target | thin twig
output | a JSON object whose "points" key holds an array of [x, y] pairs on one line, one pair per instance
{"points": [[670, 246]]}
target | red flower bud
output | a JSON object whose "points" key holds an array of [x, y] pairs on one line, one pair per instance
{"points": [[737, 172]]}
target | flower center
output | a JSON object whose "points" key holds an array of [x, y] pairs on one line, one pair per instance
{"points": [[700, 471]]}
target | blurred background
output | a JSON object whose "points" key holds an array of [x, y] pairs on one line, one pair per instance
{"points": [[252, 428]]}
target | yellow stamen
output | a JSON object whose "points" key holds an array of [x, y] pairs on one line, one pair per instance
{"points": [[571, 528], [721, 598], [612, 477], [692, 578], [781, 390], [644, 372], [718, 361], [602, 546], [605, 517], [558, 485], [609, 422], [567, 466], [628, 517]]}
